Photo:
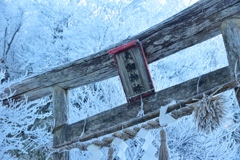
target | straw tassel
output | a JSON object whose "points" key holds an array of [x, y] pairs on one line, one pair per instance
{"points": [[209, 113], [163, 150], [110, 153]]}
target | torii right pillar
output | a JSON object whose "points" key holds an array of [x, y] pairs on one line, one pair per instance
{"points": [[231, 36]]}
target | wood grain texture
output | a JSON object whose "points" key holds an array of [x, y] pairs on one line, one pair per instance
{"points": [[134, 74], [231, 36], [126, 115], [193, 25], [60, 107], [60, 115]]}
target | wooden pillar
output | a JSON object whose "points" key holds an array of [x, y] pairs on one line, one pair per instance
{"points": [[231, 36], [60, 115]]}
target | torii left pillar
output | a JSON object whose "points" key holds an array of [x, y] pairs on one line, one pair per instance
{"points": [[60, 116]]}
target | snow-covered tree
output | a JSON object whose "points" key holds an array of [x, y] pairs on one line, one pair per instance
{"points": [[39, 34]]}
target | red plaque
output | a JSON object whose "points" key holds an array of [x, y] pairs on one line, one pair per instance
{"points": [[133, 70]]}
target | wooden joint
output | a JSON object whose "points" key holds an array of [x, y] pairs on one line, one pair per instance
{"points": [[57, 128]]}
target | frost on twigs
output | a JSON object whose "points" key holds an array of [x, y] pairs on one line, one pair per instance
{"points": [[209, 113], [24, 129]]}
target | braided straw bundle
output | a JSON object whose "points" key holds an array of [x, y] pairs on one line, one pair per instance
{"points": [[110, 153], [209, 113], [163, 152]]}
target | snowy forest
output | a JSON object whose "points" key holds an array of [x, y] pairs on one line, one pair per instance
{"points": [[38, 35]]}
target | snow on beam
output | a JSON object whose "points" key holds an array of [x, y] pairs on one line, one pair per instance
{"points": [[126, 115], [193, 25]]}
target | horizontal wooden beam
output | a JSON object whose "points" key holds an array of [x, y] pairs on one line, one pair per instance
{"points": [[193, 25], [126, 115]]}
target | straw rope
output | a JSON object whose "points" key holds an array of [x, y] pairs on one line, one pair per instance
{"points": [[127, 133]]}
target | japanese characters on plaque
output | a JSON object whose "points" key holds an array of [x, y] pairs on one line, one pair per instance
{"points": [[133, 70]]}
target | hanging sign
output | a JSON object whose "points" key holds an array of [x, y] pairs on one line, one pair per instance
{"points": [[133, 70]]}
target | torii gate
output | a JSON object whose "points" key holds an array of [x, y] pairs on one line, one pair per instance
{"points": [[199, 22]]}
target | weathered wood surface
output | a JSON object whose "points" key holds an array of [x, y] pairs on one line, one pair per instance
{"points": [[231, 36], [193, 25], [60, 116], [134, 74], [125, 115]]}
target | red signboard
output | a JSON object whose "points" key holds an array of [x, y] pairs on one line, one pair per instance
{"points": [[133, 70]]}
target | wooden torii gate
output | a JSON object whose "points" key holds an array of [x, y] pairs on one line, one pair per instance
{"points": [[201, 21]]}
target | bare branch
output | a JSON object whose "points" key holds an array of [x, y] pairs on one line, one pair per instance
{"points": [[5, 41], [12, 39]]}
